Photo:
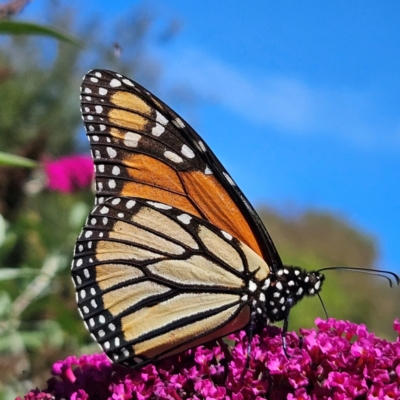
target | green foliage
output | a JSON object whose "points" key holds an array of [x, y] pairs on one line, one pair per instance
{"points": [[16, 161], [29, 28]]}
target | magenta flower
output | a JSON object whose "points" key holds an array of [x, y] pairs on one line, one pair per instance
{"points": [[339, 360], [69, 174]]}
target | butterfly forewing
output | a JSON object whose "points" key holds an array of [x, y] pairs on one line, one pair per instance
{"points": [[152, 280], [172, 255], [142, 149]]}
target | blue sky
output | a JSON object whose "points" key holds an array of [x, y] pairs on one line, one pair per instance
{"points": [[300, 100]]}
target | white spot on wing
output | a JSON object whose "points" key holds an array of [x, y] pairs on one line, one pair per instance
{"points": [[115, 83], [201, 145], [161, 206], [187, 151], [173, 157], [178, 123], [161, 119], [116, 170], [266, 284], [157, 130], [130, 203], [185, 218], [208, 171], [227, 235], [131, 139], [103, 91], [229, 179], [128, 82], [252, 286], [111, 152]]}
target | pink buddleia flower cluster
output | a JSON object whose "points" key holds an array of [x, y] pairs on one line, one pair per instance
{"points": [[339, 360], [69, 174]]}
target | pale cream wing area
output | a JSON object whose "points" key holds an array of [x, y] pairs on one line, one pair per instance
{"points": [[152, 280]]}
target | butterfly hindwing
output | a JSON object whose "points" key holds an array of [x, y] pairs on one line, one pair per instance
{"points": [[142, 149], [152, 280]]}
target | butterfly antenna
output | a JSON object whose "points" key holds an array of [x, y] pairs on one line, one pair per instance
{"points": [[382, 274]]}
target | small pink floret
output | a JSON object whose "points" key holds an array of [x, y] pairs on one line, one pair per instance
{"points": [[69, 174]]}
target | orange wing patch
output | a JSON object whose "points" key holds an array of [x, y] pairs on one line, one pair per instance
{"points": [[218, 207], [190, 191]]}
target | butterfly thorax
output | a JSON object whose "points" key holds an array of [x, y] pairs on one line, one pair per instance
{"points": [[283, 290]]}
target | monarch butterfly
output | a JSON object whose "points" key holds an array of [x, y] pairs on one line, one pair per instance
{"points": [[172, 255]]}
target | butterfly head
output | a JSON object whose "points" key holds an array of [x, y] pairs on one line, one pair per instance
{"points": [[284, 289]]}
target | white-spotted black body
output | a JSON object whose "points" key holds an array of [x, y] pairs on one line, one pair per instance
{"points": [[283, 290]]}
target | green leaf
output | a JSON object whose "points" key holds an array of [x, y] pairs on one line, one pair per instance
{"points": [[5, 304], [13, 273], [78, 214], [12, 160], [28, 28]]}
